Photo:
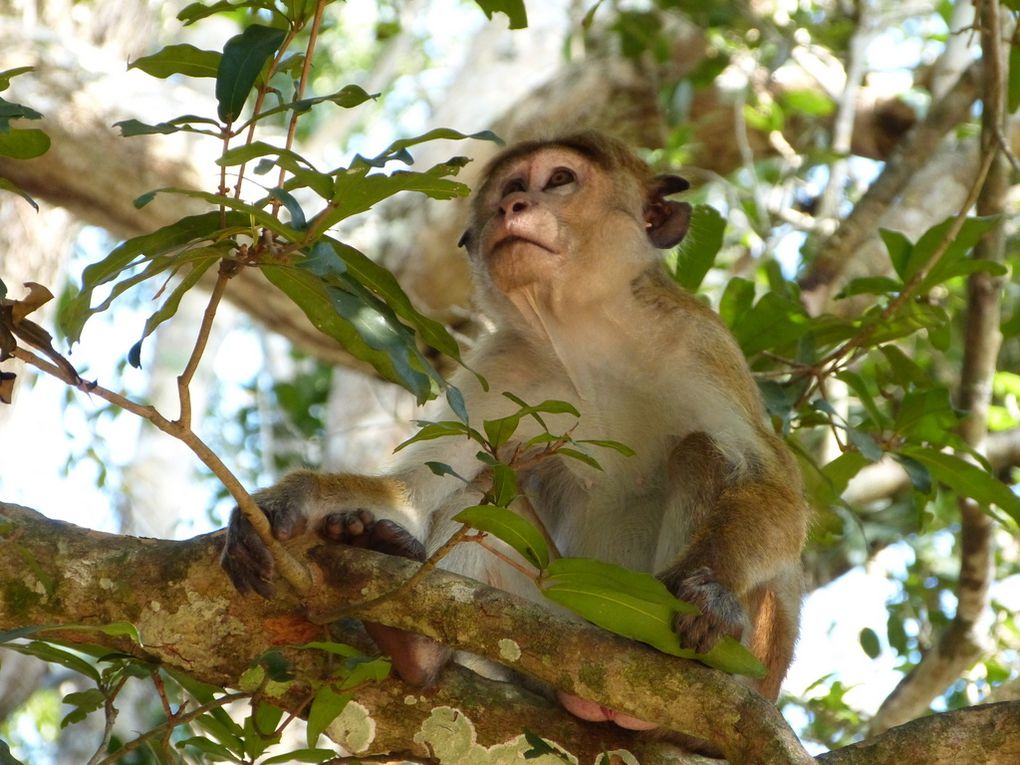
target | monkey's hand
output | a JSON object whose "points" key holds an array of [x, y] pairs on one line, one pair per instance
{"points": [[721, 612], [306, 501], [245, 557]]}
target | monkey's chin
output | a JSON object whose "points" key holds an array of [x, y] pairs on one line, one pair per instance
{"points": [[593, 712]]}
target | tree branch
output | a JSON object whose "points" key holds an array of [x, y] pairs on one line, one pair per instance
{"points": [[965, 640], [906, 159], [190, 619]]}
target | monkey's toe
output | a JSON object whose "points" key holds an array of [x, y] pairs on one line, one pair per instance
{"points": [[359, 528], [348, 527]]}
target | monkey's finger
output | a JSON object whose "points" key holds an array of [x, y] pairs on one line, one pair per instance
{"points": [[349, 527], [393, 539]]}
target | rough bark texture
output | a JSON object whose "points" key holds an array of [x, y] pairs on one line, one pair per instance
{"points": [[191, 620]]}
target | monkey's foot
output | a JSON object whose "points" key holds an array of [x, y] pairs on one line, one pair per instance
{"points": [[593, 712], [720, 611], [359, 528]]}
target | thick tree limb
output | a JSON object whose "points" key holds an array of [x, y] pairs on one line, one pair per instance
{"points": [[191, 620], [983, 735]]}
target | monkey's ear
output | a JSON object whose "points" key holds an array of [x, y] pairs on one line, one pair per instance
{"points": [[666, 221]]}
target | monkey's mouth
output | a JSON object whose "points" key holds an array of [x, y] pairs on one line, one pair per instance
{"points": [[511, 239]]}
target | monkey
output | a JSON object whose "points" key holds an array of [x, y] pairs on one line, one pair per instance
{"points": [[563, 242]]}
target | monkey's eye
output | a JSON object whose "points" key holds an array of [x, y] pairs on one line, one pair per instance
{"points": [[561, 176]]}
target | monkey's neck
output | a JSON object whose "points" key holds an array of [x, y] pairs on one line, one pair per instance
{"points": [[582, 331]]}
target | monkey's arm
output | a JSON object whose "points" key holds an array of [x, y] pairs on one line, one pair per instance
{"points": [[746, 528]]}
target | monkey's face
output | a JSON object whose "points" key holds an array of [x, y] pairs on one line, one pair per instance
{"points": [[548, 217]]}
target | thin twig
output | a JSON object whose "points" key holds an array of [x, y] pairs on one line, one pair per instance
{"points": [[306, 69], [290, 568], [227, 270], [111, 717], [173, 722]]}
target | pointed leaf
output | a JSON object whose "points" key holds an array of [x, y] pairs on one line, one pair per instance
{"points": [[507, 525], [637, 606], [514, 10], [20, 143], [326, 707], [362, 325], [966, 479], [179, 59], [244, 55], [501, 430], [699, 247]]}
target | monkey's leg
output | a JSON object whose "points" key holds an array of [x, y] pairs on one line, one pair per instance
{"points": [[775, 622]]}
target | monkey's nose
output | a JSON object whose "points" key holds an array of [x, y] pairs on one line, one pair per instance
{"points": [[514, 204]]}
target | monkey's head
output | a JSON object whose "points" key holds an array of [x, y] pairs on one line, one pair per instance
{"points": [[555, 213]]}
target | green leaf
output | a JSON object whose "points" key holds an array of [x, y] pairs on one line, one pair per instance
{"points": [[909, 260], [244, 55], [504, 485], [626, 602], [198, 11], [385, 286], [199, 265], [616, 446], [811, 103], [254, 212], [871, 285], [432, 430], [1013, 94], [187, 230], [401, 145], [133, 127], [355, 192], [637, 606], [213, 751], [179, 59], [9, 74], [456, 401], [507, 525], [772, 324], [698, 249], [19, 143], [899, 248], [363, 325], [7, 185], [441, 469], [53, 655], [904, 369], [580, 456], [927, 415], [501, 430], [920, 476], [83, 702], [870, 643], [346, 98], [839, 471], [514, 9], [966, 479], [326, 707], [6, 758], [303, 172], [736, 300], [302, 755], [12, 111]]}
